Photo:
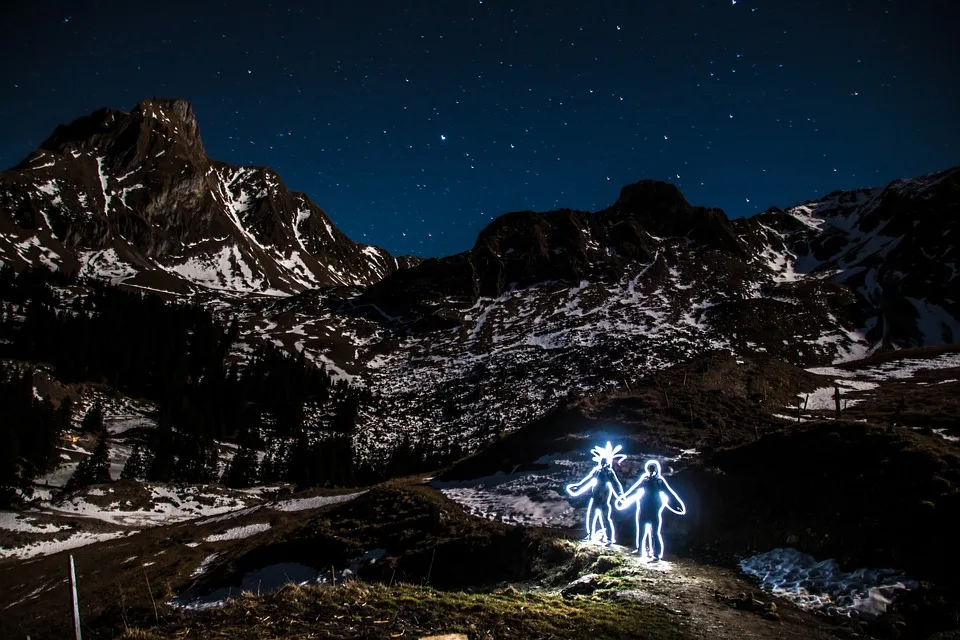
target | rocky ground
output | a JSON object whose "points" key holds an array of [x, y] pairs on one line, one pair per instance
{"points": [[437, 570], [488, 547]]}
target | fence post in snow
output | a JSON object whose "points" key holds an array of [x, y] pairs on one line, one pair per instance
{"points": [[76, 605], [836, 400]]}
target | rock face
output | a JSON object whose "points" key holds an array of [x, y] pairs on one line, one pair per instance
{"points": [[894, 248], [133, 197]]}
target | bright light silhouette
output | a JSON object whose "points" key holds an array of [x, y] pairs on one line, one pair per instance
{"points": [[601, 480], [652, 495]]}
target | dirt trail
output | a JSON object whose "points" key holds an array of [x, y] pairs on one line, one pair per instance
{"points": [[703, 597]]}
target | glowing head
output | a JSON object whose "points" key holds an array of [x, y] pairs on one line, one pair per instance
{"points": [[604, 456], [652, 467]]}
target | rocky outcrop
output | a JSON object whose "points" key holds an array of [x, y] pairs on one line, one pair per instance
{"points": [[133, 197]]}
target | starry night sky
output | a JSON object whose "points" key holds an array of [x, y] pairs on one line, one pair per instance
{"points": [[413, 124]]}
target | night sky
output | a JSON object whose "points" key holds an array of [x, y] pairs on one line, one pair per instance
{"points": [[413, 124]]}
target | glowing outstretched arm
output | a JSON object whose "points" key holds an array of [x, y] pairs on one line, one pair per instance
{"points": [[667, 499], [631, 495], [579, 488], [617, 487]]}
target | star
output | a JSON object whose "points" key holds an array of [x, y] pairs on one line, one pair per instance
{"points": [[443, 137]]}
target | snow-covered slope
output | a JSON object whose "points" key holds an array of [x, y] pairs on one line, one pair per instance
{"points": [[894, 247]]}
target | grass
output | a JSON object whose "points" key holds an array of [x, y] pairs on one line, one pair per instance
{"points": [[362, 610]]}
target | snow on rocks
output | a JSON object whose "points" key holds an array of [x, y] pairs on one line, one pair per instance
{"points": [[823, 586]]}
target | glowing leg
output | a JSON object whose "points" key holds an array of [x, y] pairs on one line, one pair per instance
{"points": [[657, 542], [637, 529], [596, 519], [611, 538], [647, 542], [589, 520]]}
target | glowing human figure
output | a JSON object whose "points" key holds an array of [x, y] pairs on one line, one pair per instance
{"points": [[602, 478], [652, 495]]}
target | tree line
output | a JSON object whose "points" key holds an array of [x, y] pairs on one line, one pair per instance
{"points": [[287, 418], [176, 355]]}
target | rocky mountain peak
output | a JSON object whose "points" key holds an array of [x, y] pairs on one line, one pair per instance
{"points": [[133, 196], [661, 210], [172, 114], [652, 195], [126, 140]]}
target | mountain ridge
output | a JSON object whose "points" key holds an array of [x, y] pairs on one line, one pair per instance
{"points": [[542, 307]]}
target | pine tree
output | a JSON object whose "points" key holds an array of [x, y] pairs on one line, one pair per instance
{"points": [[95, 468], [93, 419], [241, 472], [135, 468], [65, 413], [161, 459]]}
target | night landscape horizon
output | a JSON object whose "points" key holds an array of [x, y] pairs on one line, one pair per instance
{"points": [[414, 126], [480, 320]]}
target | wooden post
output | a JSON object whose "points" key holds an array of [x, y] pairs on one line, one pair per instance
{"points": [[76, 604], [836, 401], [156, 616], [430, 569], [333, 576]]}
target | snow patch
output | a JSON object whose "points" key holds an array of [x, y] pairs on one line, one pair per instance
{"points": [[823, 586], [303, 504], [238, 533]]}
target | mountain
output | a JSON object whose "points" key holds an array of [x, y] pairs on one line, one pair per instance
{"points": [[133, 198], [544, 308], [549, 306]]}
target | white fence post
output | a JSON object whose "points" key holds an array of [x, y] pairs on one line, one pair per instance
{"points": [[76, 605]]}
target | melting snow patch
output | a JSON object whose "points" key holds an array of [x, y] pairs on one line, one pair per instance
{"points": [[823, 586], [302, 504], [894, 369], [272, 578], [12, 521], [534, 498], [238, 533], [47, 547], [204, 565], [166, 506], [946, 436]]}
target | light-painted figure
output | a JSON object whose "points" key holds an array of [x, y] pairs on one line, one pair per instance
{"points": [[652, 495], [602, 485]]}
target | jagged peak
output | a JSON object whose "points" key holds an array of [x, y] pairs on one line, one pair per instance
{"points": [[651, 193], [174, 112], [163, 107], [175, 117]]}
